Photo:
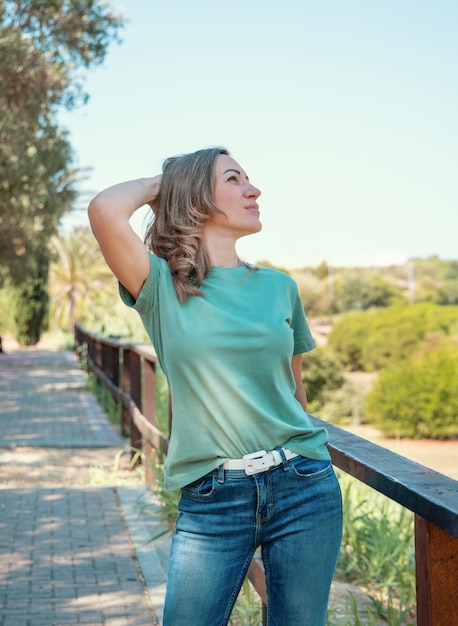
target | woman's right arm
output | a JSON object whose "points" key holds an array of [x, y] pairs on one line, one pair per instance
{"points": [[109, 214]]}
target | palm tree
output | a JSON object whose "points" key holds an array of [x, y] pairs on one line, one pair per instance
{"points": [[79, 279]]}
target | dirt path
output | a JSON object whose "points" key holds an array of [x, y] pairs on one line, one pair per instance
{"points": [[441, 456]]}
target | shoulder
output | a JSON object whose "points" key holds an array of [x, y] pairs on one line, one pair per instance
{"points": [[158, 265], [277, 276]]}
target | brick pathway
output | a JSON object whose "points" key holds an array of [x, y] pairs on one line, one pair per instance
{"points": [[67, 553]]}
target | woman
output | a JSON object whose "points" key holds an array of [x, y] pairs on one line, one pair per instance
{"points": [[252, 468]]}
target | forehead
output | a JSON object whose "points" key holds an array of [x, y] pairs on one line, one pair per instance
{"points": [[225, 162]]}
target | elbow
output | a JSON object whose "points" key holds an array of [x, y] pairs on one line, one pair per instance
{"points": [[96, 211]]}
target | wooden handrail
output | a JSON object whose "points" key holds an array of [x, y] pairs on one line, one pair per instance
{"points": [[431, 496]]}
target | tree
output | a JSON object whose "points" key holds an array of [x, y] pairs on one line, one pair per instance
{"points": [[44, 46], [78, 278], [82, 288], [31, 303], [359, 293]]}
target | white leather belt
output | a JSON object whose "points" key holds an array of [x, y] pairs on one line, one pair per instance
{"points": [[259, 461]]}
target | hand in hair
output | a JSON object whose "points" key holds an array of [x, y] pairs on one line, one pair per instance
{"points": [[154, 202]]}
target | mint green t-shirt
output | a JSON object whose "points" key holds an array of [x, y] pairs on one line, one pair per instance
{"points": [[227, 358]]}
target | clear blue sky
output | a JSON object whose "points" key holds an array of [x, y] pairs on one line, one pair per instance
{"points": [[344, 114]]}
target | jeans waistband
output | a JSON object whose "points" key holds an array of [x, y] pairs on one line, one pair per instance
{"points": [[260, 461]]}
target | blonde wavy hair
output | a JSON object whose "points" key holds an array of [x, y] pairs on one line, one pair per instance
{"points": [[184, 205]]}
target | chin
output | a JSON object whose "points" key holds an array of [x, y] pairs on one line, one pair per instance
{"points": [[255, 229]]}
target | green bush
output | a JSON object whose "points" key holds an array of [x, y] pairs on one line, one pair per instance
{"points": [[30, 302], [418, 398], [6, 312], [321, 373], [362, 293], [373, 340], [343, 407], [347, 337]]}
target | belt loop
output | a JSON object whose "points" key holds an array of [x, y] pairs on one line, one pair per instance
{"points": [[221, 473], [284, 462]]}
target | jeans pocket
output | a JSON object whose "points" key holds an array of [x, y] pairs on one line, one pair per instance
{"points": [[304, 468], [201, 489]]}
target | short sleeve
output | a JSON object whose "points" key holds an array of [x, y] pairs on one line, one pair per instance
{"points": [[148, 295]]}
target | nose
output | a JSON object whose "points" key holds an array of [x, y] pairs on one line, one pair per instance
{"points": [[252, 191]]}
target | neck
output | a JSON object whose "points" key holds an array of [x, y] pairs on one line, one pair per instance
{"points": [[219, 259], [222, 253]]}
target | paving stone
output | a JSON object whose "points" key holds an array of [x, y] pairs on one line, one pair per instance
{"points": [[66, 554]]}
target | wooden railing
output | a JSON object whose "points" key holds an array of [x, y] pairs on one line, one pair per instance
{"points": [[129, 371]]}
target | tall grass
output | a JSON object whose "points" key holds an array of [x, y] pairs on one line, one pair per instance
{"points": [[378, 551], [111, 406]]}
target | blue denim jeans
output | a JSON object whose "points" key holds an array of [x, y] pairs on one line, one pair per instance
{"points": [[293, 511]]}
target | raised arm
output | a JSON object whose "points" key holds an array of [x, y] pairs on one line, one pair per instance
{"points": [[109, 214]]}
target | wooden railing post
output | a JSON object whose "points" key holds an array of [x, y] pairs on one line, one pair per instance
{"points": [[126, 386], [110, 362], [135, 377], [149, 411], [436, 555]]}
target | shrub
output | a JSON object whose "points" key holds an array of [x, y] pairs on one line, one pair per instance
{"points": [[30, 302], [376, 339], [347, 337], [344, 406], [321, 373], [418, 398], [361, 293]]}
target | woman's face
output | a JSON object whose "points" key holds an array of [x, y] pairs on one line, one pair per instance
{"points": [[236, 197]]}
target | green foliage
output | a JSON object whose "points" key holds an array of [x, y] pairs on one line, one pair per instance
{"points": [[359, 293], [418, 398], [31, 310], [451, 271], [248, 608], [35, 191], [43, 46], [322, 270], [28, 301], [6, 311], [375, 339], [343, 406], [83, 289], [448, 292], [111, 406], [348, 336], [326, 290], [79, 279], [378, 549], [316, 293], [321, 373], [167, 499]]}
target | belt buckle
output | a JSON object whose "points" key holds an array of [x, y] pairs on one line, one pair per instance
{"points": [[259, 461]]}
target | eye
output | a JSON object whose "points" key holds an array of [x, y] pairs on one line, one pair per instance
{"points": [[233, 177]]}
